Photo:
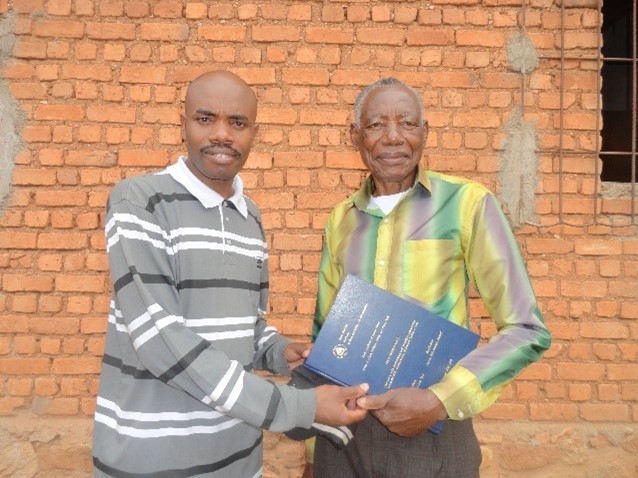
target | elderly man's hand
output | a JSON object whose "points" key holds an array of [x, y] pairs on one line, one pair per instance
{"points": [[405, 411]]}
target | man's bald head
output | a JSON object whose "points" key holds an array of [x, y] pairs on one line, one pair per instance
{"points": [[219, 82]]}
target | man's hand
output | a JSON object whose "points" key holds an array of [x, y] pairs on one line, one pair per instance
{"points": [[296, 353], [335, 405], [405, 411]]}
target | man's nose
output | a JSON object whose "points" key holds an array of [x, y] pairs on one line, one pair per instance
{"points": [[220, 132], [393, 133]]}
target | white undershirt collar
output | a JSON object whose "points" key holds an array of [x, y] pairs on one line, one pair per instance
{"points": [[204, 194], [386, 203]]}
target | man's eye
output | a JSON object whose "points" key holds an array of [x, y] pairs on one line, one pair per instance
{"points": [[238, 124], [377, 125], [409, 124], [204, 119]]}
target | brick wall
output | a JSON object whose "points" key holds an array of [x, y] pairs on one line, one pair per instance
{"points": [[100, 84]]}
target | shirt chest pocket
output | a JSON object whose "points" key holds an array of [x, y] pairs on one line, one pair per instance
{"points": [[429, 264]]}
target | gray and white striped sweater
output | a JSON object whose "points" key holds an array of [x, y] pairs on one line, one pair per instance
{"points": [[190, 281]]}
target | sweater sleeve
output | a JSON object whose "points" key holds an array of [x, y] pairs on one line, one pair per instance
{"points": [[148, 309]]}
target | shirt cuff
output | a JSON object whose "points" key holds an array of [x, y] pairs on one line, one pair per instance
{"points": [[462, 394]]}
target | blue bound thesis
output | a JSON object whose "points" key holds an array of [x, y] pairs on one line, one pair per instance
{"points": [[373, 336]]}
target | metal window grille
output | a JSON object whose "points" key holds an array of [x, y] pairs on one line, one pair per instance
{"points": [[613, 202]]}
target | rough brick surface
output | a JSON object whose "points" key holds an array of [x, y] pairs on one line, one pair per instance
{"points": [[101, 85]]}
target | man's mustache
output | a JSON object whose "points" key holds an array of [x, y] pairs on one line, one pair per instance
{"points": [[215, 149]]}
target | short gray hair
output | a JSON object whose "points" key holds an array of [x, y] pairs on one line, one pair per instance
{"points": [[358, 104]]}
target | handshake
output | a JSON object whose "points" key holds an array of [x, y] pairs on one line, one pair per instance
{"points": [[336, 405], [404, 411]]}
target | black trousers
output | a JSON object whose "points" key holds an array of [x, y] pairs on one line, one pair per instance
{"points": [[377, 453]]}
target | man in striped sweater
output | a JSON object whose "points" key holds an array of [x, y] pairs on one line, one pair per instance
{"points": [[189, 268]]}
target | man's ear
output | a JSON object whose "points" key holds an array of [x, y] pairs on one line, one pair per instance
{"points": [[255, 131], [355, 135]]}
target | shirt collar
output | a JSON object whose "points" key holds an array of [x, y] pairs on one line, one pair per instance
{"points": [[205, 195], [361, 198]]}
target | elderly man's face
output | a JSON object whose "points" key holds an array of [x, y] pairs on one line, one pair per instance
{"points": [[390, 138]]}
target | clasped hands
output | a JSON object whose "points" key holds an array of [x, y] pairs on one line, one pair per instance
{"points": [[403, 411]]}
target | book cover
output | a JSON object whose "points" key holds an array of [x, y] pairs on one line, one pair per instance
{"points": [[373, 336]]}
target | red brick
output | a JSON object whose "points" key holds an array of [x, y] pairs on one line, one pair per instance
{"points": [[58, 29], [30, 50], [61, 241], [548, 246], [19, 283], [358, 13], [353, 77], [143, 74], [168, 9], [18, 71], [332, 13], [324, 35], [500, 80], [598, 247], [300, 12], [607, 412], [580, 371], [24, 366], [276, 116], [380, 36], [55, 406], [164, 31], [87, 72], [604, 330], [480, 38], [344, 160], [8, 405], [318, 200], [222, 33], [298, 159], [627, 372], [162, 115], [325, 117], [60, 112], [256, 76], [111, 114], [24, 345], [274, 11], [110, 31], [33, 177], [629, 310], [74, 366], [511, 410], [12, 324], [305, 76], [297, 242], [553, 411], [297, 327], [195, 10], [142, 158], [275, 33], [581, 288], [60, 198]]}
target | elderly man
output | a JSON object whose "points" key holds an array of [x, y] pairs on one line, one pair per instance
{"points": [[429, 237], [189, 266]]}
